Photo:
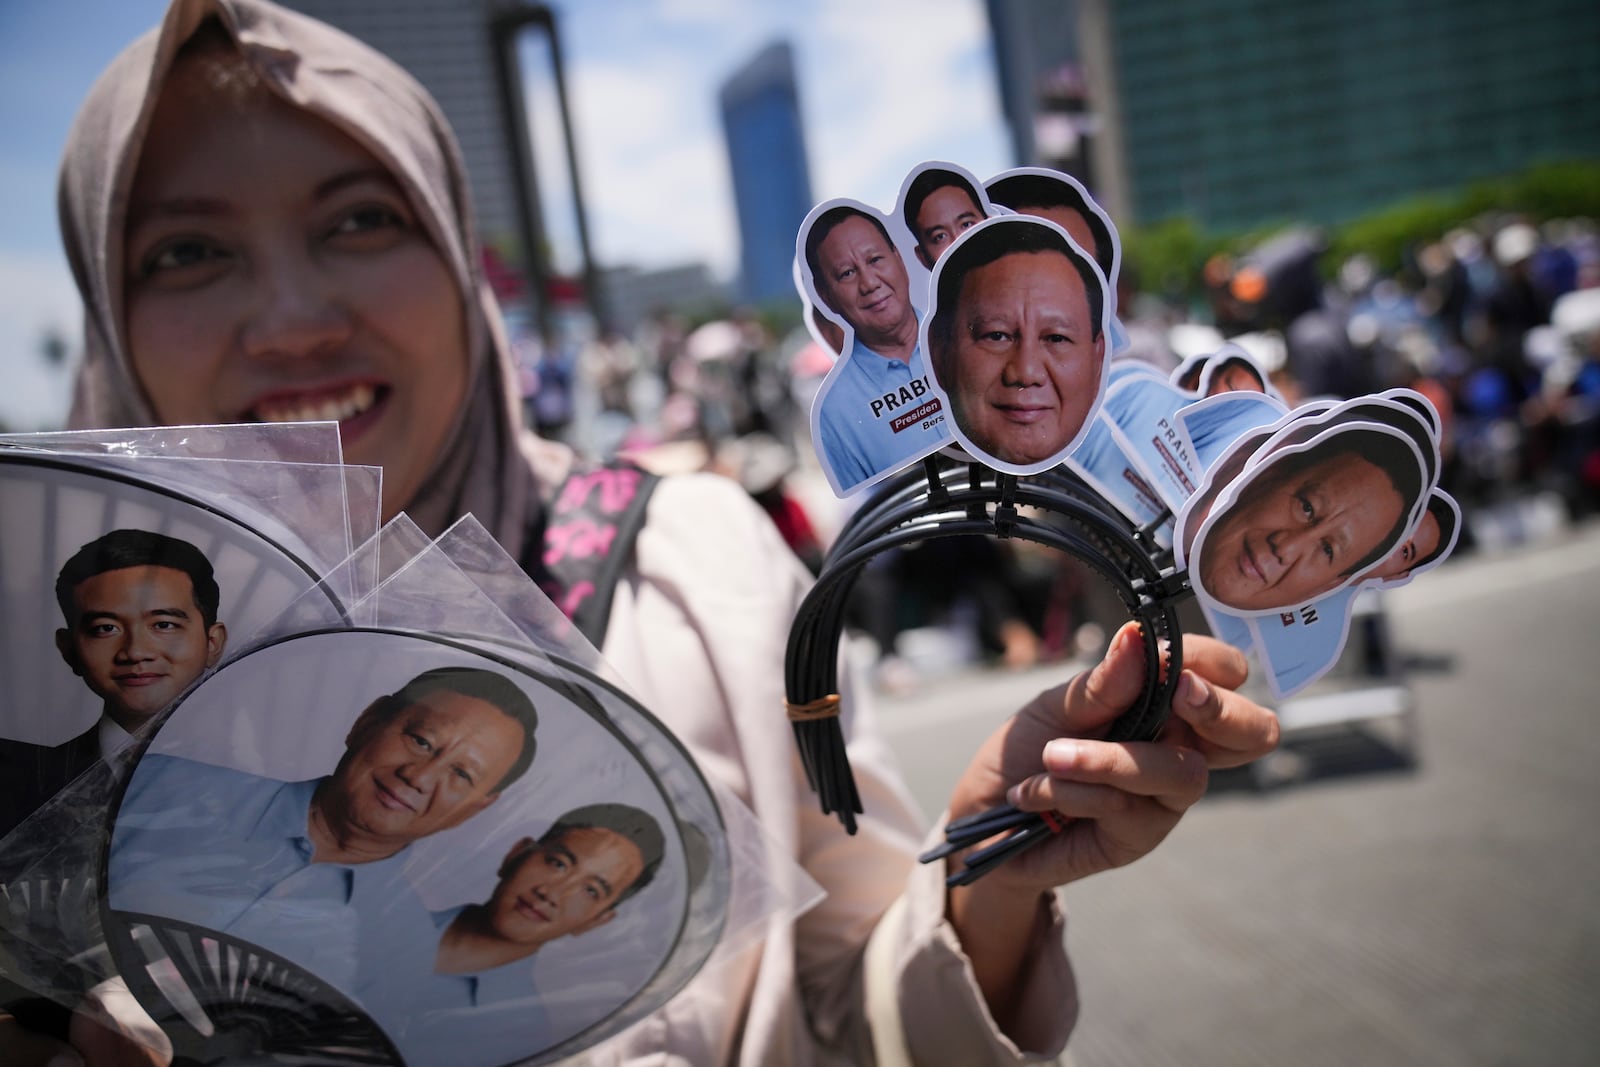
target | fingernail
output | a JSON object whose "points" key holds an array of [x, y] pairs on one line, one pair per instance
{"points": [[1060, 755], [1194, 690], [1014, 795]]}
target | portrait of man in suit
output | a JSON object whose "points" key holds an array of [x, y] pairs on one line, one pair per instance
{"points": [[139, 612]]}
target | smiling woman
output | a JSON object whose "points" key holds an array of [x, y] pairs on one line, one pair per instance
{"points": [[267, 219], [250, 259], [276, 272]]}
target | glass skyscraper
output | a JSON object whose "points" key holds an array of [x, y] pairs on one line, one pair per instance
{"points": [[771, 177]]}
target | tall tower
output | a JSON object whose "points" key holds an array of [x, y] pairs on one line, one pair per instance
{"points": [[771, 176]]}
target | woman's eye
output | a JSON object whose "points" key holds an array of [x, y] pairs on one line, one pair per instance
{"points": [[1327, 551], [178, 254], [368, 218], [1307, 512]]}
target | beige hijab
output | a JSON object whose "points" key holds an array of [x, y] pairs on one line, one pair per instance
{"points": [[489, 462]]}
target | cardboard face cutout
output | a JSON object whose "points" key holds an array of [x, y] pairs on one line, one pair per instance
{"points": [[1062, 199], [1304, 520], [1235, 436], [1299, 645], [1016, 336], [875, 412]]}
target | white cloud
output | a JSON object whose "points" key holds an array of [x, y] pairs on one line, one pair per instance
{"points": [[883, 86], [654, 165], [897, 77], [37, 297]]}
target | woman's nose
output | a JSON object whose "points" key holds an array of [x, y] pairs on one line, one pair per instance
{"points": [[298, 312]]}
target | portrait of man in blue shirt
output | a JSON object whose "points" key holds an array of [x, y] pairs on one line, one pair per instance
{"points": [[568, 882], [311, 870], [875, 412]]}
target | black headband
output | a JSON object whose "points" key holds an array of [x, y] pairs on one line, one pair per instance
{"points": [[948, 498]]}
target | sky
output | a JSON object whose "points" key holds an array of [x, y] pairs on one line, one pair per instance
{"points": [[883, 86]]}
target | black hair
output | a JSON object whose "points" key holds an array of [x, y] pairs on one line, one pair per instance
{"points": [[1448, 518], [1022, 191], [487, 686], [1408, 419], [1216, 366], [825, 223], [994, 240], [626, 822], [924, 185], [120, 549]]}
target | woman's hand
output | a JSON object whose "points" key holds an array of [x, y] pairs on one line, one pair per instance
{"points": [[1122, 798]]}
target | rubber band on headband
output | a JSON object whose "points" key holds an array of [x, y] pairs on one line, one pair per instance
{"points": [[823, 708]]}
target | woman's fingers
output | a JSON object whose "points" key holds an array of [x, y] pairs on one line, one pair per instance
{"points": [[1096, 697], [1217, 661], [1080, 775], [1229, 729]]}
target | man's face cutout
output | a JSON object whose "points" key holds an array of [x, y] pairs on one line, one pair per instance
{"points": [[945, 214], [863, 279], [1291, 536], [1025, 358]]}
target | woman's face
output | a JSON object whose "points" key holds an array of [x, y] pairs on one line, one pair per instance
{"points": [[1290, 538], [275, 271]]}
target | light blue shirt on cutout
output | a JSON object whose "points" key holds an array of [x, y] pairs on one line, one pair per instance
{"points": [[872, 418], [460, 1020]]}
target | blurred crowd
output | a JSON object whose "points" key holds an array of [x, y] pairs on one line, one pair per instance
{"points": [[1497, 323]]}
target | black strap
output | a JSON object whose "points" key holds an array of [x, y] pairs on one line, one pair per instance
{"points": [[589, 528]]}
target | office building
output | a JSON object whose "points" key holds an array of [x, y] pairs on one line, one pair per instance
{"points": [[1245, 114], [771, 177]]}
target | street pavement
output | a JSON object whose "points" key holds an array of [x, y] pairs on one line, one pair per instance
{"points": [[1389, 897]]}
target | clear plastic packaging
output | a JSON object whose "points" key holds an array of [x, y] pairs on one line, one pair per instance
{"points": [[284, 726]]}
